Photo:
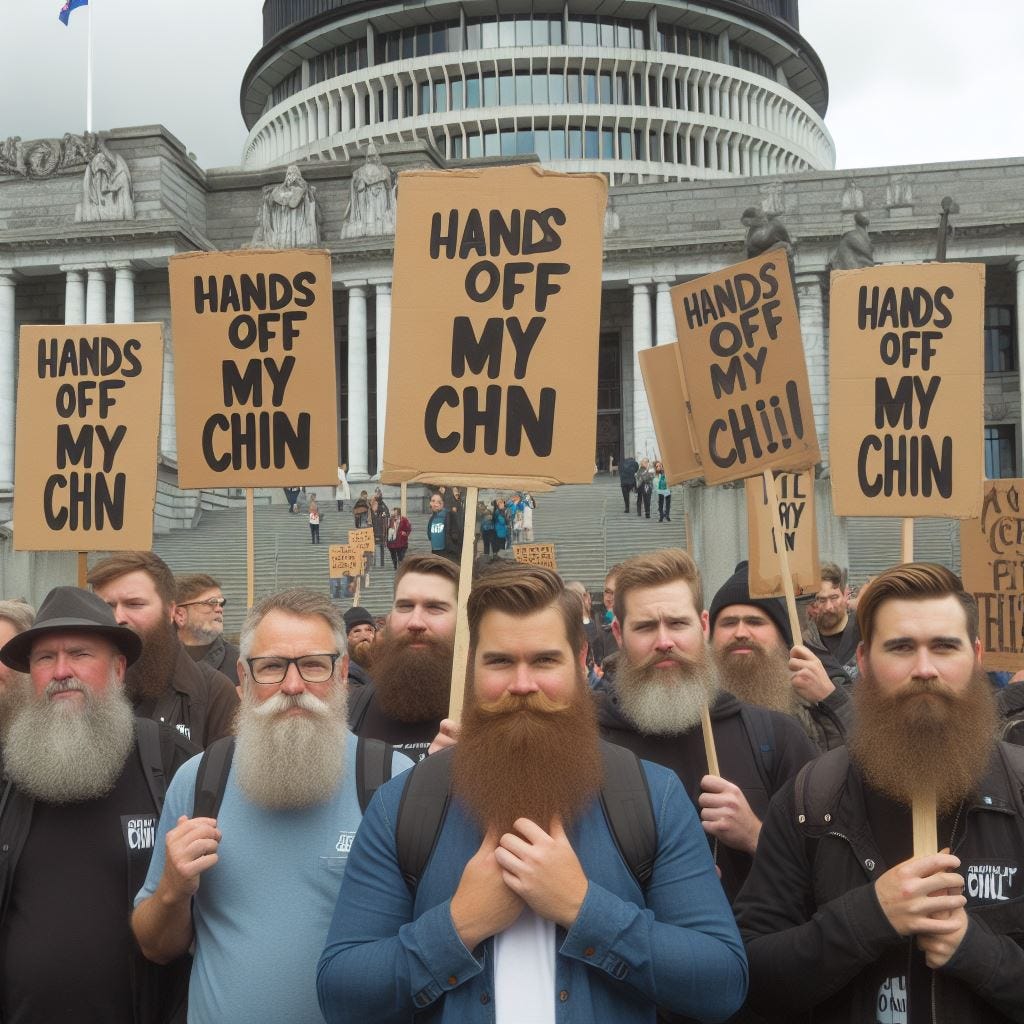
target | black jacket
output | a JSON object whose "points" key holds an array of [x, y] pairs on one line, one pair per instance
{"points": [[841, 666], [832, 718], [222, 656], [816, 934]]}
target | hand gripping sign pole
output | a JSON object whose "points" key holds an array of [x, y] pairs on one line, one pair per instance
{"points": [[461, 659]]}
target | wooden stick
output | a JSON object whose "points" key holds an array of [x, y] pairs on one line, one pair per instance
{"points": [[709, 741], [780, 546], [83, 567], [907, 541], [359, 584], [926, 840], [403, 501], [250, 550], [461, 656]]}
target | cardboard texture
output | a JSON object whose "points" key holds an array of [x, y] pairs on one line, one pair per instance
{"points": [[86, 442], [535, 554], [795, 493], [992, 563], [907, 371], [362, 539], [344, 560], [255, 368], [494, 327], [666, 395], [744, 370]]}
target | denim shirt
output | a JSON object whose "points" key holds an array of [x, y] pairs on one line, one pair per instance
{"points": [[390, 954]]}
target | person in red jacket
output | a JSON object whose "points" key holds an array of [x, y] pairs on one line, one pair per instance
{"points": [[399, 529]]}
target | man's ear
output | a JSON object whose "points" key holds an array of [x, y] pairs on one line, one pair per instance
{"points": [[344, 667], [617, 631], [862, 656], [179, 616]]}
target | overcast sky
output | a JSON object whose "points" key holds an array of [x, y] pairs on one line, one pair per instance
{"points": [[911, 81]]}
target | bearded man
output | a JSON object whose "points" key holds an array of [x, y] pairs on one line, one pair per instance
{"points": [[656, 689], [78, 812], [526, 902], [412, 659], [254, 888], [841, 919], [164, 684]]}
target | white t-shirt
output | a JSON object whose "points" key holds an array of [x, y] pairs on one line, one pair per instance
{"points": [[524, 971]]}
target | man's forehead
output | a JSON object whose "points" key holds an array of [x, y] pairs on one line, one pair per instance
{"points": [[137, 583], [543, 629], [674, 597], [56, 641], [827, 587], [424, 586], [279, 626], [206, 595], [924, 618]]}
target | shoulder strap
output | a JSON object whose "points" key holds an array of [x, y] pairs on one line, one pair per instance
{"points": [[762, 741], [813, 786], [373, 768], [1011, 730], [421, 813], [212, 777], [357, 708], [153, 754], [626, 800]]}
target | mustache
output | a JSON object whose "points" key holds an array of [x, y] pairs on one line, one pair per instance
{"points": [[516, 703], [65, 686], [917, 687], [282, 702], [736, 645], [681, 660]]}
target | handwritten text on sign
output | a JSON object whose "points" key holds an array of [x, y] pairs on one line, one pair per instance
{"points": [[535, 554], [795, 492], [88, 420]]}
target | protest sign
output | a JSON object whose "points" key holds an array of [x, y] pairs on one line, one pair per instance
{"points": [[666, 395], [362, 539], [494, 327], [992, 562], [86, 442], [795, 496], [907, 373], [344, 560], [744, 370], [535, 554], [255, 368]]}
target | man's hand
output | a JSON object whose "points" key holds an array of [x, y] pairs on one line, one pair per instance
{"points": [[938, 949], [726, 815], [447, 736], [544, 870], [921, 897], [483, 904], [808, 675], [191, 849]]}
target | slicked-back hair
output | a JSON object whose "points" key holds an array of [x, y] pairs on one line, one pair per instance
{"points": [[831, 573], [521, 590], [913, 581], [191, 586], [652, 570], [301, 602], [428, 565], [123, 562], [20, 614]]}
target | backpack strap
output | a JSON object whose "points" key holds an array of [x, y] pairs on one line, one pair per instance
{"points": [[421, 814], [762, 741], [357, 708], [374, 759], [626, 801], [155, 749], [212, 777], [814, 789]]}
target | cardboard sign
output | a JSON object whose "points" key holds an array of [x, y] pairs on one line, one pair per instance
{"points": [[743, 364], [86, 442], [666, 395], [795, 492], [907, 371], [992, 562], [344, 560], [535, 554], [494, 327], [255, 368], [362, 539]]}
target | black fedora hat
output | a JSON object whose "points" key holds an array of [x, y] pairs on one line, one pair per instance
{"points": [[71, 610]]}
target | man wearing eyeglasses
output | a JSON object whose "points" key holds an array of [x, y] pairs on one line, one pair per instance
{"points": [[254, 888], [199, 617], [833, 634]]}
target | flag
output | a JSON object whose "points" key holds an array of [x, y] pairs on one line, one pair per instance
{"points": [[69, 6]]}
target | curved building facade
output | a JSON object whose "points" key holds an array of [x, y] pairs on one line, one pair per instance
{"points": [[643, 92]]}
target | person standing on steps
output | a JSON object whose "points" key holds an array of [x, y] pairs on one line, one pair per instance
{"points": [[663, 492], [314, 519]]}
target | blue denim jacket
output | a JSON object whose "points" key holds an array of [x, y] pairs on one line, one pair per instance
{"points": [[390, 955]]}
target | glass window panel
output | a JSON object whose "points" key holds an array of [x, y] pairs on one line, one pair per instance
{"points": [[473, 92], [423, 41], [473, 37], [652, 90], [524, 89], [607, 144], [607, 32], [542, 142], [556, 30], [639, 37], [653, 146], [506, 89], [454, 37], [440, 97], [524, 32], [621, 88], [492, 144], [575, 143], [573, 82], [623, 36], [438, 39], [490, 90], [589, 87], [424, 98], [666, 93], [625, 146], [506, 32], [590, 34], [541, 31], [457, 147], [508, 142], [489, 33], [606, 87], [558, 144], [556, 89], [662, 39], [539, 84], [475, 145], [525, 143], [380, 105], [408, 45], [457, 94], [393, 113], [590, 143], [362, 55]]}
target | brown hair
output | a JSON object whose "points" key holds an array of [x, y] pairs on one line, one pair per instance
{"points": [[303, 604], [522, 590], [913, 581], [18, 613], [193, 585], [665, 566], [123, 562], [831, 573], [428, 565]]}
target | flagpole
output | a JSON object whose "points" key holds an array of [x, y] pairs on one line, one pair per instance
{"points": [[88, 73]]}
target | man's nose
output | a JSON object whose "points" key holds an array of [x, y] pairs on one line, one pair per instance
{"points": [[523, 681]]}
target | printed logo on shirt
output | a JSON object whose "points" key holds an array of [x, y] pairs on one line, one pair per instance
{"points": [[437, 527], [991, 883], [891, 1004], [345, 842], [184, 730], [139, 831]]}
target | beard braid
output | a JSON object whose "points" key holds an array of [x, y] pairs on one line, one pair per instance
{"points": [[413, 684], [60, 753], [665, 701], [294, 761], [760, 677], [148, 677], [527, 756], [908, 743]]}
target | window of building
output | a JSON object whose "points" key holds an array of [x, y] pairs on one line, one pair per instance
{"points": [[288, 86], [750, 60], [1000, 340], [1000, 451]]}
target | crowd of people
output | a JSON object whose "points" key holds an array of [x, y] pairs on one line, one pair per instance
{"points": [[643, 480], [301, 833]]}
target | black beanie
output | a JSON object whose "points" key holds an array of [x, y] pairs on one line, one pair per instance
{"points": [[356, 617], [736, 590]]}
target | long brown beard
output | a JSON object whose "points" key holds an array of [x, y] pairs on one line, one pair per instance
{"points": [[413, 684], [362, 653], [526, 756], [907, 744], [665, 701], [149, 676], [760, 677]]}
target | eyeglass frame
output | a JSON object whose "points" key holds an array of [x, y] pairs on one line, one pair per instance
{"points": [[213, 603], [293, 661]]}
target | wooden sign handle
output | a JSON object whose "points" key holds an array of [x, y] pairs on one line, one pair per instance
{"points": [[780, 546], [460, 659], [709, 741], [356, 594], [83, 568], [250, 549], [907, 541], [926, 841]]}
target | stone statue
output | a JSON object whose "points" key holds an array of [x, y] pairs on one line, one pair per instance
{"points": [[12, 156], [765, 232], [855, 249], [773, 200], [42, 158], [290, 215], [898, 191], [853, 197], [106, 188], [371, 205]]}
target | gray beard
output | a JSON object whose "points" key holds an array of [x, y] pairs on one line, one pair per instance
{"points": [[665, 701], [198, 636], [62, 754], [291, 762]]}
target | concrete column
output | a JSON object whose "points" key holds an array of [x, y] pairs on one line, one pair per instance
{"points": [[383, 353], [124, 294], [664, 317], [74, 297], [810, 294], [644, 442], [8, 350], [96, 297], [358, 406], [168, 420], [1019, 320]]}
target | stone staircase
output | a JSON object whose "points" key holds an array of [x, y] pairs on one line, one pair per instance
{"points": [[585, 522]]}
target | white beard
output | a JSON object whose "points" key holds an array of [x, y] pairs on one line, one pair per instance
{"points": [[665, 701]]}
